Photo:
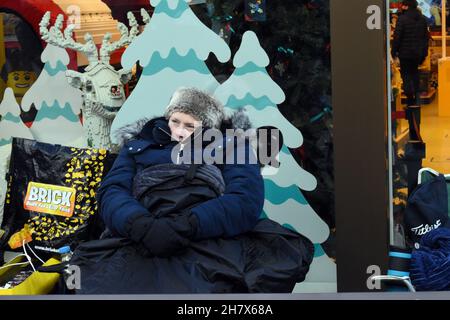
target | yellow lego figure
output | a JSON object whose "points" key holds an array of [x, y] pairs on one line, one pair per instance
{"points": [[17, 73], [20, 82]]}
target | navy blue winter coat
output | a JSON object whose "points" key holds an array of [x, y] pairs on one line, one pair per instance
{"points": [[236, 211]]}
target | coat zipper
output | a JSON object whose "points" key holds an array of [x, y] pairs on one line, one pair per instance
{"points": [[179, 153]]}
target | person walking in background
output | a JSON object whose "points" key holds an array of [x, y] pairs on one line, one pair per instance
{"points": [[410, 46]]}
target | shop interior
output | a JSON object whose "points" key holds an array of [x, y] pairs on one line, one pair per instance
{"points": [[434, 108]]}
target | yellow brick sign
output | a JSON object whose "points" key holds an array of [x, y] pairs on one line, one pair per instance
{"points": [[51, 199]]}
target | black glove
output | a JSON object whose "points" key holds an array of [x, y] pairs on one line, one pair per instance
{"points": [[164, 236]]}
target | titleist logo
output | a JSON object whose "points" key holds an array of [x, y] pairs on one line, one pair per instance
{"points": [[422, 229]]}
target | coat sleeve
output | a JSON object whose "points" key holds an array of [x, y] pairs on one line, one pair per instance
{"points": [[118, 207], [240, 206]]}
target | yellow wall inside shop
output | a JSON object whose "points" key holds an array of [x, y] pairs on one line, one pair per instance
{"points": [[444, 87]]}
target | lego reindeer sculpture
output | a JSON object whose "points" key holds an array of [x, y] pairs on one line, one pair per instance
{"points": [[102, 86]]}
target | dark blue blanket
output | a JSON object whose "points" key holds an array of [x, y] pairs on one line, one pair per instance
{"points": [[430, 264]]}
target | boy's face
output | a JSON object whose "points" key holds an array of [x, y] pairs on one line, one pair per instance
{"points": [[182, 125]]}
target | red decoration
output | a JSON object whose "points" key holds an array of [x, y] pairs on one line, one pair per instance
{"points": [[32, 12]]}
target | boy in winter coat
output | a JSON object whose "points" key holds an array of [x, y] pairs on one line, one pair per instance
{"points": [[235, 212]]}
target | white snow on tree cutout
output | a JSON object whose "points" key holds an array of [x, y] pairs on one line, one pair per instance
{"points": [[250, 87], [172, 51], [58, 118], [11, 124]]}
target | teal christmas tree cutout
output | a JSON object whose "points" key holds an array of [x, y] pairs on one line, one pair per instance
{"points": [[250, 87], [58, 103], [172, 50], [11, 124]]}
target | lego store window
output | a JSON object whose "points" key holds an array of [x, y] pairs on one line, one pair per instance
{"points": [[20, 50], [283, 79]]}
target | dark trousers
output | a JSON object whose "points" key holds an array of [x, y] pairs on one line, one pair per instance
{"points": [[413, 114], [409, 70]]}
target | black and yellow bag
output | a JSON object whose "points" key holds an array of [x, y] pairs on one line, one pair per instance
{"points": [[51, 195]]}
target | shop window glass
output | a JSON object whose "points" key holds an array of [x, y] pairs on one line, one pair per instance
{"points": [[296, 37]]}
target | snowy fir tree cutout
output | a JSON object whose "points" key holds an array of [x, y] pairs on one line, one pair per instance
{"points": [[58, 103], [172, 50], [251, 87], [11, 124]]}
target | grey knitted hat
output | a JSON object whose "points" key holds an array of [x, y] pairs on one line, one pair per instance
{"points": [[198, 104]]}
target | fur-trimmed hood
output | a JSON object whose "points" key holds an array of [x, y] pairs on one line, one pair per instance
{"points": [[237, 120]]}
